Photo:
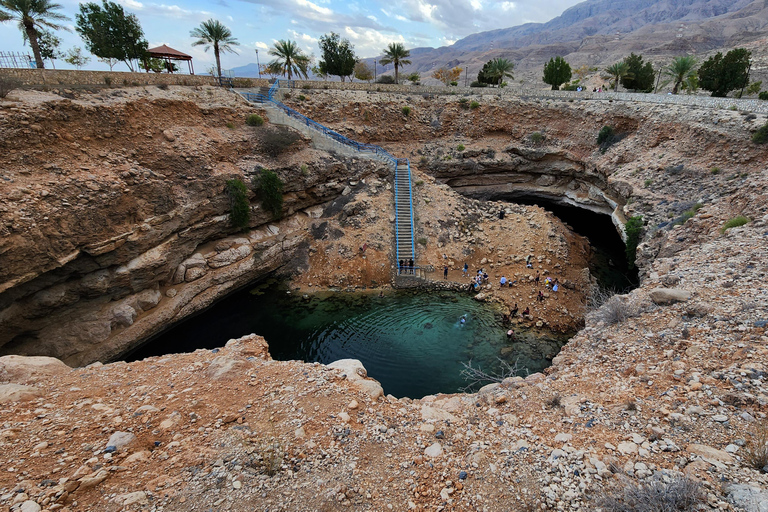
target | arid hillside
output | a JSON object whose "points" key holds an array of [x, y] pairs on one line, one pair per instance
{"points": [[115, 222]]}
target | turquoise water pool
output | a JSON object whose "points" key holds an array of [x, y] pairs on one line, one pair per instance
{"points": [[413, 343]]}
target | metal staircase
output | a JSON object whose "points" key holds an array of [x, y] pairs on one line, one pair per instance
{"points": [[404, 241], [404, 212]]}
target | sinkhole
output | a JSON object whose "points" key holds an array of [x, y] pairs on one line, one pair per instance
{"points": [[413, 343]]}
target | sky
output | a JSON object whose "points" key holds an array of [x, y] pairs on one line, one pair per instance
{"points": [[257, 24]]}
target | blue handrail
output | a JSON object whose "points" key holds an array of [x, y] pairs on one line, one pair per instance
{"points": [[361, 147], [410, 205]]}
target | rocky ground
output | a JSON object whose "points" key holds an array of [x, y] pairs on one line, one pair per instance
{"points": [[663, 388]]}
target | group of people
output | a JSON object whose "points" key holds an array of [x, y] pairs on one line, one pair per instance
{"points": [[405, 267]]}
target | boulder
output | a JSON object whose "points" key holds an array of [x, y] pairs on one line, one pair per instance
{"points": [[24, 369], [710, 454], [229, 256], [225, 367], [356, 374], [18, 393], [665, 296]]}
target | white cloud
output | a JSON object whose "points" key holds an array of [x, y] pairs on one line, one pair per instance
{"points": [[508, 6], [261, 45], [476, 4], [370, 42], [132, 4], [314, 7]]}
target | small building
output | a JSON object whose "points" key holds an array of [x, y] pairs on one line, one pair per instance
{"points": [[168, 54]]}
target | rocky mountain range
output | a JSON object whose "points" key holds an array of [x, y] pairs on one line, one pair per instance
{"points": [[600, 32]]}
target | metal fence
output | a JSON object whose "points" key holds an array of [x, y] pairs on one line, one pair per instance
{"points": [[16, 60]]}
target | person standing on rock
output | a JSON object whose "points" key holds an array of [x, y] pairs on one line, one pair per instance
{"points": [[536, 280], [400, 267], [502, 282], [466, 268], [445, 272], [410, 265], [501, 214]]}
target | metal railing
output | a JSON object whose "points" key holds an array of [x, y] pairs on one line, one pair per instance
{"points": [[358, 146], [406, 162], [378, 151]]}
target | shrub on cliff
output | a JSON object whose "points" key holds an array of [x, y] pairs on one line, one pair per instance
{"points": [[633, 229], [277, 140], [254, 120], [239, 206], [763, 95], [607, 137], [654, 495], [761, 135], [7, 85], [269, 189]]}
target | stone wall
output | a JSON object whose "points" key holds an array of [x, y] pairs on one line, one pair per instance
{"points": [[75, 78], [746, 105]]}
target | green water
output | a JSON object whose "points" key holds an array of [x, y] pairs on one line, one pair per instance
{"points": [[413, 343]]}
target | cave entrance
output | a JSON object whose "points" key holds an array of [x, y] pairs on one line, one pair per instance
{"points": [[608, 262]]}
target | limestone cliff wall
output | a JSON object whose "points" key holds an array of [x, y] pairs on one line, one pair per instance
{"points": [[115, 219]]}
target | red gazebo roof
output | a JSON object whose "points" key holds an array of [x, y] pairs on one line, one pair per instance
{"points": [[168, 52]]}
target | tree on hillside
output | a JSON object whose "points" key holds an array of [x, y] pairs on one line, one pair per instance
{"points": [[679, 71], [338, 56], [495, 70], [76, 58], [641, 75], [213, 34], [581, 72], [273, 69], [49, 45], [319, 72], [618, 71], [446, 75], [33, 16], [290, 59], [363, 71], [109, 33], [396, 54], [557, 72], [721, 75]]}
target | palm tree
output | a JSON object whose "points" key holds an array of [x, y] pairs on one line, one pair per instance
{"points": [[680, 70], [396, 54], [32, 15], [290, 58], [213, 33], [499, 69], [619, 71]]}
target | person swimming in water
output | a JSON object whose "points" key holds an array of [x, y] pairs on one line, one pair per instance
{"points": [[463, 319]]}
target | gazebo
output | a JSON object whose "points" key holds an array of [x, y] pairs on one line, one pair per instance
{"points": [[168, 54]]}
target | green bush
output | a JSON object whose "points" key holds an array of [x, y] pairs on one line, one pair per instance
{"points": [[464, 103], [606, 132], [302, 97], [460, 147], [763, 95], [239, 206], [385, 79], [108, 81], [761, 135], [734, 223], [473, 105], [304, 170], [269, 189], [537, 137], [406, 110], [607, 137], [277, 140], [422, 241], [231, 125], [633, 228], [654, 495], [454, 83], [647, 183], [715, 170], [478, 84], [254, 120]]}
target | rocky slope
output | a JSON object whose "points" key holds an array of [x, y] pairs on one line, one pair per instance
{"points": [[666, 381]]}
